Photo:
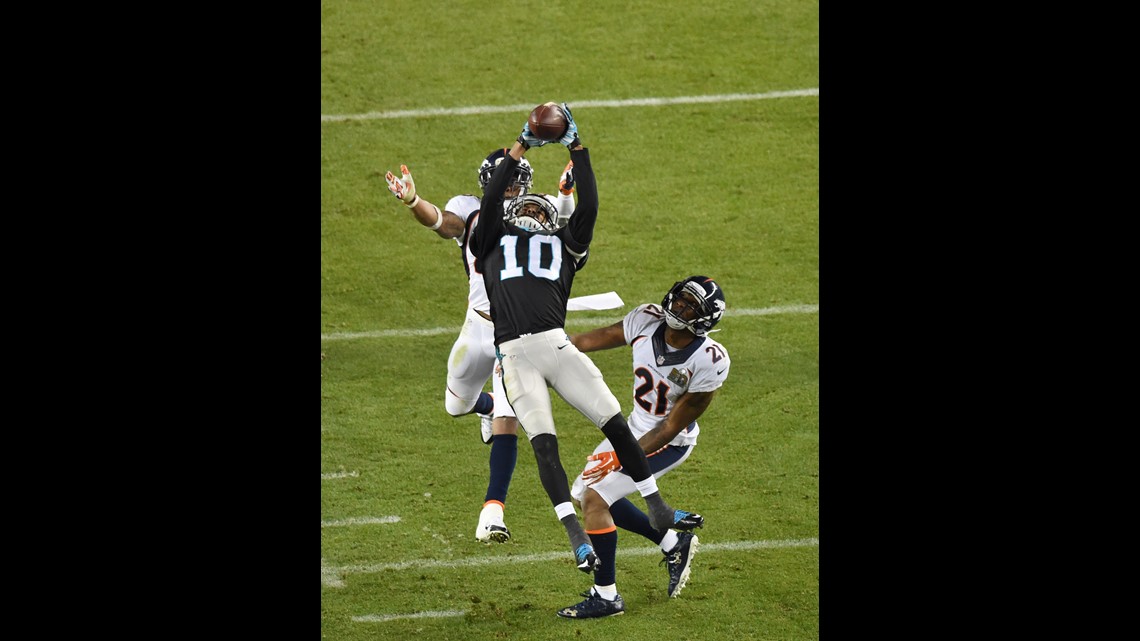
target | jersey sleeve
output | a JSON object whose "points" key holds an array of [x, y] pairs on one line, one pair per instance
{"points": [[711, 368], [463, 206], [580, 229], [642, 321], [490, 228]]}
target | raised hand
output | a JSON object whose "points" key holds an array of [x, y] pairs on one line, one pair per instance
{"points": [[402, 188], [566, 185], [570, 138], [528, 140]]}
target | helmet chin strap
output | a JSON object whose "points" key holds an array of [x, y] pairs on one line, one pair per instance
{"points": [[676, 323]]}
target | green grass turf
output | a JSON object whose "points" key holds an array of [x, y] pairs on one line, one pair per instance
{"points": [[727, 189]]}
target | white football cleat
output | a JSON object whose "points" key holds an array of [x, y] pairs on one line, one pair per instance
{"points": [[485, 428], [491, 527]]}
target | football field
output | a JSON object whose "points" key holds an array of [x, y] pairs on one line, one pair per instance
{"points": [[702, 122]]}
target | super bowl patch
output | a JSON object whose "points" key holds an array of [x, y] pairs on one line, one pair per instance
{"points": [[679, 377]]}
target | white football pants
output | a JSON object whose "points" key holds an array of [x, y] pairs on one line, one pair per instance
{"points": [[615, 485], [471, 363], [532, 363]]}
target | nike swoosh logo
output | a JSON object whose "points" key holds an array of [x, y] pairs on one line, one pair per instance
{"points": [[720, 372], [561, 346]]}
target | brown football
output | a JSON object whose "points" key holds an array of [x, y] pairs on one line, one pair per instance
{"points": [[547, 121]]}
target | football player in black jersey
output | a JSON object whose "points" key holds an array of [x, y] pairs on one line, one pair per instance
{"points": [[472, 359], [528, 263]]}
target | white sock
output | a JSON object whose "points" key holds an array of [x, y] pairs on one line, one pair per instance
{"points": [[647, 486], [563, 510], [607, 592], [670, 541]]}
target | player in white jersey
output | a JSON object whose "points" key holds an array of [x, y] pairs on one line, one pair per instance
{"points": [[472, 360], [677, 369]]}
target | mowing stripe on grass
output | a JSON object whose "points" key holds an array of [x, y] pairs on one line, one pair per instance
{"points": [[430, 614], [367, 520], [575, 104], [421, 564], [570, 320], [339, 475]]}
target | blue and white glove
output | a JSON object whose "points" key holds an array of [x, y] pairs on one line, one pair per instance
{"points": [[570, 138], [528, 140]]}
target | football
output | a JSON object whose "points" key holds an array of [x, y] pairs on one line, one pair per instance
{"points": [[547, 121]]}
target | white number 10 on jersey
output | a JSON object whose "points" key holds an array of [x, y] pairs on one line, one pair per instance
{"points": [[512, 268]]}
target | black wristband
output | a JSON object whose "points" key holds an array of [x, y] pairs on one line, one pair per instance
{"points": [[522, 142]]}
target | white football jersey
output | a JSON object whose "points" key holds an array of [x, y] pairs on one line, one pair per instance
{"points": [[662, 374], [465, 206]]}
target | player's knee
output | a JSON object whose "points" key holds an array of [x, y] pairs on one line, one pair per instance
{"points": [[607, 405], [615, 427], [538, 423], [593, 502], [545, 447], [457, 406]]}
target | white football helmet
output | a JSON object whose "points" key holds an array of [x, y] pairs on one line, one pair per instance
{"points": [[532, 212]]}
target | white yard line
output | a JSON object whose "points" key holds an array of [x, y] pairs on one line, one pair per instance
{"points": [[430, 614], [366, 520], [335, 573], [574, 104], [570, 320], [329, 576]]}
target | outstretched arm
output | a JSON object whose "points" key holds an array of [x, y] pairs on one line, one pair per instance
{"points": [[581, 225], [452, 225], [601, 338], [444, 223], [583, 217], [490, 228]]}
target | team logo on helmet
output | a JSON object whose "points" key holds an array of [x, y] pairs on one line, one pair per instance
{"points": [[523, 178]]}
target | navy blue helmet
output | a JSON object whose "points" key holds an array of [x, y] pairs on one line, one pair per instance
{"points": [[705, 297], [524, 175]]}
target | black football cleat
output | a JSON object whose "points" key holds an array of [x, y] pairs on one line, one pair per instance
{"points": [[594, 607], [587, 560], [678, 561], [686, 521]]}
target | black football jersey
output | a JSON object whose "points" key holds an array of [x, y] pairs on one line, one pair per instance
{"points": [[529, 274]]}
